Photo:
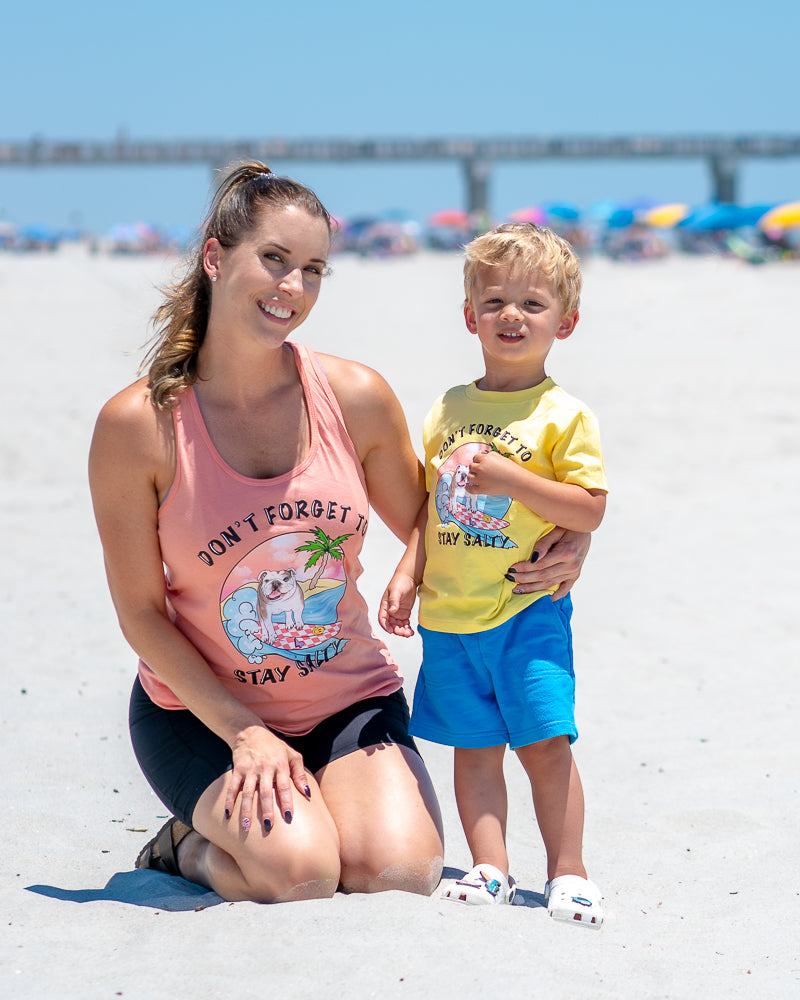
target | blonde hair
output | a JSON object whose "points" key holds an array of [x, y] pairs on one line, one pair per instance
{"points": [[532, 246], [180, 322]]}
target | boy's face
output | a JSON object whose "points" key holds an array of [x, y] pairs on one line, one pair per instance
{"points": [[516, 314]]}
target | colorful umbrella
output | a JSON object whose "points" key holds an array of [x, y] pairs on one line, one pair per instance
{"points": [[562, 210], [784, 216], [453, 218], [665, 216], [621, 218], [718, 217], [530, 214]]}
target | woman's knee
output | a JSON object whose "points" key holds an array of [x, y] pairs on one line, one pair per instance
{"points": [[402, 865], [298, 868]]}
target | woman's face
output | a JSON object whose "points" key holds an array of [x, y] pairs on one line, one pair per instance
{"points": [[268, 283]]}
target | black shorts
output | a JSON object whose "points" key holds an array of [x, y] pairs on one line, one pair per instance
{"points": [[181, 757]]}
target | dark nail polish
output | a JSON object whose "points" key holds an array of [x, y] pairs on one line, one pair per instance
{"points": [[267, 825], [510, 578], [308, 792], [534, 557], [287, 816], [227, 814]]}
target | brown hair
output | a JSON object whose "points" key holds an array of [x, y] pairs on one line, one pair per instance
{"points": [[531, 246], [180, 322]]}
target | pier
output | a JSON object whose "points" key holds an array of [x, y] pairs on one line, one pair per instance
{"points": [[724, 155]]}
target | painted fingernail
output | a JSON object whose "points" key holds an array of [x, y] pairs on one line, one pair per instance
{"points": [[534, 557], [307, 791], [246, 823], [287, 816], [517, 590], [227, 814], [267, 825], [510, 577]]}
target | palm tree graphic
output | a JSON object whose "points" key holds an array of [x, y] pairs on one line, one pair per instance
{"points": [[321, 549]]}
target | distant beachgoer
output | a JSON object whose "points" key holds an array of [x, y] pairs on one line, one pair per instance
{"points": [[507, 458], [232, 489]]}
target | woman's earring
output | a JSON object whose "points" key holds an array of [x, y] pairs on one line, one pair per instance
{"points": [[213, 277]]}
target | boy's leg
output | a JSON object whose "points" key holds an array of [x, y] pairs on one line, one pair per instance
{"points": [[558, 801], [482, 803]]}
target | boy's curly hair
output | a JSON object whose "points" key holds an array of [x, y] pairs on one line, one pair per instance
{"points": [[532, 246]]}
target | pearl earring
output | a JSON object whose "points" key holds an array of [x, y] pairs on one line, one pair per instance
{"points": [[213, 277]]}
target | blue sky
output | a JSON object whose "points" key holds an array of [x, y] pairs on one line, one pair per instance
{"points": [[438, 68]]}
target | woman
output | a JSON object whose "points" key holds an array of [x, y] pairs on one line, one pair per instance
{"points": [[232, 488]]}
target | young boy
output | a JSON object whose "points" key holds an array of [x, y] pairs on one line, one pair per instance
{"points": [[507, 458]]}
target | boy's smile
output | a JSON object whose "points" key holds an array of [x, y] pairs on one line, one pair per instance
{"points": [[516, 313]]}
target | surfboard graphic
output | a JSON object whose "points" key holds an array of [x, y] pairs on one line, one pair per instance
{"points": [[305, 637], [470, 518]]}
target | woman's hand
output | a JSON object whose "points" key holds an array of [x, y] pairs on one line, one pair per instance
{"points": [[264, 766], [557, 561]]}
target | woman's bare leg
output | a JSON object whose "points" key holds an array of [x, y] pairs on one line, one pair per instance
{"points": [[390, 829], [297, 860]]}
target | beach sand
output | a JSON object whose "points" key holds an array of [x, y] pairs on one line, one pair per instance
{"points": [[686, 648]]}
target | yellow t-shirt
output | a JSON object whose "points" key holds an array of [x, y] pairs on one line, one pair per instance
{"points": [[472, 540]]}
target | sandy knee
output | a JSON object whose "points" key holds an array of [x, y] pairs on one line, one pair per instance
{"points": [[417, 875]]}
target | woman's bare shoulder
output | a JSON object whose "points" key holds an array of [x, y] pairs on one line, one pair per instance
{"points": [[355, 383], [130, 410], [130, 429]]}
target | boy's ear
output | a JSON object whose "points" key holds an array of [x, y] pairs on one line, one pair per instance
{"points": [[469, 318], [568, 323]]}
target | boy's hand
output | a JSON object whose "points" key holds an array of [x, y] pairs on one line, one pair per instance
{"points": [[394, 613], [491, 473]]}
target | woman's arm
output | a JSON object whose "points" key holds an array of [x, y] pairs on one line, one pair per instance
{"points": [[378, 429], [130, 468]]}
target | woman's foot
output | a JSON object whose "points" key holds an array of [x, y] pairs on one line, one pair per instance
{"points": [[161, 853]]}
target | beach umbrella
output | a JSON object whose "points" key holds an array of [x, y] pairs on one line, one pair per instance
{"points": [[642, 203], [37, 232], [530, 214], [665, 216], [601, 211], [562, 210], [784, 216], [452, 218], [724, 216], [396, 215], [621, 218]]}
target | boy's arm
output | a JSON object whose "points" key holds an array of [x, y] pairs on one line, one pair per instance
{"points": [[397, 603], [565, 504]]}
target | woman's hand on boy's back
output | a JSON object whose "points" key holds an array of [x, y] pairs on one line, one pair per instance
{"points": [[557, 560]]}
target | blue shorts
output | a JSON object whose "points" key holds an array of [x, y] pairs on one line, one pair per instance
{"points": [[510, 684]]}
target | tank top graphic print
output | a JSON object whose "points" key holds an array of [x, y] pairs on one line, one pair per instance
{"points": [[261, 573]]}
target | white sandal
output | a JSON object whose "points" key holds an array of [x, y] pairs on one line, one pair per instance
{"points": [[484, 885], [570, 897]]}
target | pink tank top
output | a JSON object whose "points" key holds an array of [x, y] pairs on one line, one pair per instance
{"points": [[261, 573]]}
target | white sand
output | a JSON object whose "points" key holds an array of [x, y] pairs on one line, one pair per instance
{"points": [[686, 654]]}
